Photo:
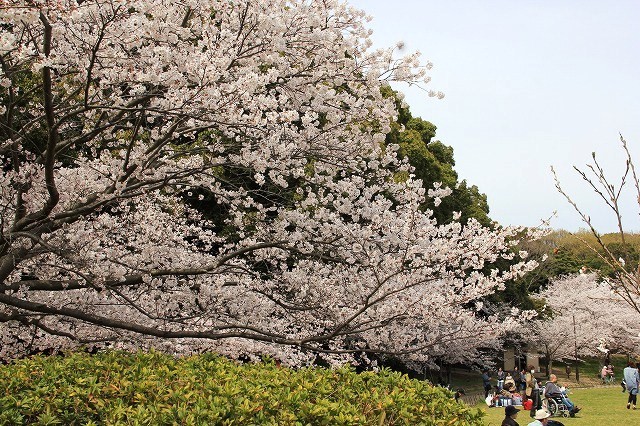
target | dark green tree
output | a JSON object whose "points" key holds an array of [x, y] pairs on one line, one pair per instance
{"points": [[433, 162]]}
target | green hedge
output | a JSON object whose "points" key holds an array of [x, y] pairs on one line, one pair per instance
{"points": [[115, 388]]}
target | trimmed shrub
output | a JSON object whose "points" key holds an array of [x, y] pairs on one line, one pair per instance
{"points": [[115, 388]]}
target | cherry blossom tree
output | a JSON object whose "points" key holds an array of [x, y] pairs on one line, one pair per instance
{"points": [[582, 314], [622, 260], [211, 176]]}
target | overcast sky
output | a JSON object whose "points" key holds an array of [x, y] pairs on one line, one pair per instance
{"points": [[528, 84]]}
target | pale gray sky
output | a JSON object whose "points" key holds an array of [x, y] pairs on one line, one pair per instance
{"points": [[528, 84]]}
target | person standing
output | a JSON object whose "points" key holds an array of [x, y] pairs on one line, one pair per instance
{"points": [[500, 377], [632, 379], [603, 374], [611, 377], [532, 390], [486, 382], [510, 414], [516, 379]]}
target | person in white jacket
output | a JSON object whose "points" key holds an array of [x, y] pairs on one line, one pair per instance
{"points": [[632, 379]]}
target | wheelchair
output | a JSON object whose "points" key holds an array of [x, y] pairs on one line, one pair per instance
{"points": [[556, 406]]}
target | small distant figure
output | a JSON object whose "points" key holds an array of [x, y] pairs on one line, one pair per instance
{"points": [[532, 388], [459, 394], [567, 369], [442, 383], [486, 382], [508, 389], [523, 383], [631, 378], [611, 377], [500, 377], [603, 374], [510, 414], [509, 382]]}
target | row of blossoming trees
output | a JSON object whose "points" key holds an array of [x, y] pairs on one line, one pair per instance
{"points": [[596, 311], [212, 175]]}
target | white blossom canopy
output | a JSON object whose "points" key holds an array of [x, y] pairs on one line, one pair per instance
{"points": [[212, 174], [586, 315]]}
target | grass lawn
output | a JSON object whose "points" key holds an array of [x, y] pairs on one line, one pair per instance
{"points": [[600, 407]]}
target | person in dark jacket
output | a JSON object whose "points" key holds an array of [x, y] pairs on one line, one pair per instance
{"points": [[510, 414], [500, 376], [486, 382], [517, 379]]}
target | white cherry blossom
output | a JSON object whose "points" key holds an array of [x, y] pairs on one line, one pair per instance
{"points": [[211, 176]]}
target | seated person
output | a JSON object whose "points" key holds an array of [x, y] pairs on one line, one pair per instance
{"points": [[509, 380], [610, 374], [552, 390], [508, 390]]}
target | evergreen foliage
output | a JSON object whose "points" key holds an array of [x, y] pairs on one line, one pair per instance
{"points": [[433, 162]]}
